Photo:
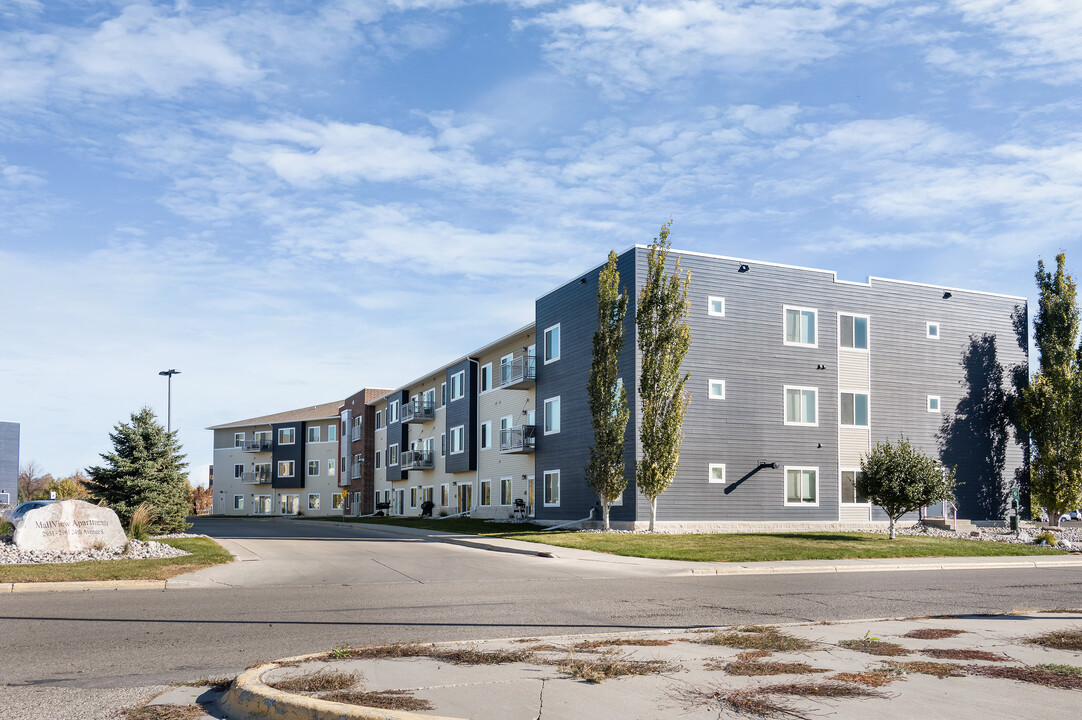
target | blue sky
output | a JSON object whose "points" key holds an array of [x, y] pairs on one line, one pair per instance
{"points": [[288, 201]]}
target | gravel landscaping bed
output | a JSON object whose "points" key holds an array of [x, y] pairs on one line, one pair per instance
{"points": [[136, 549]]}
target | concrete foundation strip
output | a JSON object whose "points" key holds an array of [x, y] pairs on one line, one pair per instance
{"points": [[248, 698]]}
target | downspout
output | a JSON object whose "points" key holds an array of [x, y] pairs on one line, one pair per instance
{"points": [[573, 522]]}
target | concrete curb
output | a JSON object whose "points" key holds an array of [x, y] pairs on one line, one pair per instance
{"points": [[929, 564], [249, 699], [84, 586]]}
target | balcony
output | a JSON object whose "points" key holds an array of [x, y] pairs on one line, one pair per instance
{"points": [[257, 445], [416, 411], [518, 439], [355, 471], [258, 477], [519, 373], [416, 460]]}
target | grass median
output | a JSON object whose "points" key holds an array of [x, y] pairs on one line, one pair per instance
{"points": [[204, 553], [728, 547]]}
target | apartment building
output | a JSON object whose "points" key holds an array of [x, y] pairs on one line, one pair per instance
{"points": [[356, 473], [280, 464], [9, 463]]}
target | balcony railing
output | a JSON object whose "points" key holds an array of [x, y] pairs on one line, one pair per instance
{"points": [[355, 435], [416, 411], [258, 477], [518, 439], [416, 460], [520, 372], [257, 445], [355, 471]]}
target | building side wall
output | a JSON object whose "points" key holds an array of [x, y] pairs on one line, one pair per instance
{"points": [[9, 461], [462, 411]]}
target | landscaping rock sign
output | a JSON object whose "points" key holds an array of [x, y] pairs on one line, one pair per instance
{"points": [[69, 526]]}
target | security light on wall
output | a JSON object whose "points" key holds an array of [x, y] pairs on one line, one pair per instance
{"points": [[947, 295], [743, 268], [582, 281]]}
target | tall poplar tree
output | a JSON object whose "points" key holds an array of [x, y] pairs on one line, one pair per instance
{"points": [[608, 402], [145, 466], [664, 340], [1051, 407]]}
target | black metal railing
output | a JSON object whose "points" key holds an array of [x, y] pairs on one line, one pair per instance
{"points": [[520, 438], [416, 411], [415, 460], [520, 371]]}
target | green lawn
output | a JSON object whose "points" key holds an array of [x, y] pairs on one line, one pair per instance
{"points": [[729, 547], [205, 552]]}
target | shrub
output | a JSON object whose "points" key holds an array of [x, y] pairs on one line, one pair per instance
{"points": [[142, 520], [1047, 537]]}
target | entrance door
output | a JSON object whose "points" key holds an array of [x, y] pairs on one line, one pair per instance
{"points": [[465, 497]]}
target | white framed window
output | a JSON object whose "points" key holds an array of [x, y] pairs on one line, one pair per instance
{"points": [[379, 459], [505, 491], [457, 439], [289, 504], [486, 492], [715, 306], [801, 326], [285, 468], [933, 403], [552, 488], [717, 473], [853, 331], [413, 497], [552, 416], [849, 494], [801, 405], [313, 501], [379, 419], [802, 486], [716, 389], [486, 377], [392, 412], [443, 444], [426, 494], [238, 470], [313, 433], [505, 367], [853, 409], [313, 468], [552, 343], [287, 436], [428, 398], [238, 440], [445, 494], [332, 433], [486, 435], [392, 455], [262, 505], [5, 498], [330, 468], [262, 437], [458, 385], [336, 501], [443, 394], [931, 330], [238, 502]]}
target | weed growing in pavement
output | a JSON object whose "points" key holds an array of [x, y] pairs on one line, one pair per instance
{"points": [[764, 701], [759, 637], [458, 656], [870, 678], [322, 680], [758, 667], [874, 646], [1069, 670], [383, 699], [340, 652], [963, 654], [595, 645], [926, 667], [163, 712], [217, 684], [1060, 639], [611, 664], [1036, 675], [933, 633]]}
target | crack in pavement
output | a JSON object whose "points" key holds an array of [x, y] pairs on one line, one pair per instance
{"points": [[541, 700], [419, 582]]}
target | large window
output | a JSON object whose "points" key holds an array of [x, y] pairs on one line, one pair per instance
{"points": [[800, 325], [285, 468], [262, 505], [392, 455], [854, 409], [313, 433], [445, 494], [552, 488], [486, 435], [849, 487], [392, 412], [286, 436], [505, 491], [853, 332], [552, 343], [428, 398], [457, 439], [801, 406], [552, 416], [313, 501], [336, 501], [332, 433], [458, 385], [313, 468], [486, 492], [801, 486], [486, 377], [289, 504]]}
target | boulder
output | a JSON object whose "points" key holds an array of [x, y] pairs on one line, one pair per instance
{"points": [[69, 526]]}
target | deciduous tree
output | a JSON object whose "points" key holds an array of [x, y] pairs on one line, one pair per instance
{"points": [[900, 478], [33, 482]]}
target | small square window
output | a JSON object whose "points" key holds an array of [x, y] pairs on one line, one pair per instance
{"points": [[286, 436], [313, 468], [716, 306], [717, 390], [932, 330], [717, 473], [849, 487], [933, 403]]}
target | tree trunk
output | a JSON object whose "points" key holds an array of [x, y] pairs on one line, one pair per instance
{"points": [[605, 514], [892, 528], [653, 512]]}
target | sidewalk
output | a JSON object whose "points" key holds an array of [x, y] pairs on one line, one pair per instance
{"points": [[962, 667]]}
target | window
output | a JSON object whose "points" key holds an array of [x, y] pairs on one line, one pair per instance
{"points": [[379, 459], [716, 306], [445, 494], [486, 377], [443, 393], [486, 435], [238, 470], [853, 332], [849, 487], [413, 497], [238, 440], [356, 433], [457, 439], [290, 504], [285, 468], [330, 468], [313, 468], [932, 330], [262, 438], [392, 412], [458, 385], [801, 406], [443, 444], [238, 502], [332, 433], [313, 433], [854, 409], [426, 494], [717, 473], [800, 326], [392, 455], [717, 390], [428, 399], [552, 488], [262, 505], [286, 436], [262, 472], [486, 492], [933, 403], [506, 363], [356, 501], [336, 502], [801, 486], [505, 491], [379, 419], [313, 501], [552, 416], [552, 343]]}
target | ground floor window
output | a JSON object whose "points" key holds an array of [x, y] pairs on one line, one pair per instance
{"points": [[238, 502], [505, 491], [552, 488], [445, 494], [289, 504], [262, 504], [413, 497], [849, 487], [426, 494], [486, 492], [801, 486], [357, 503], [336, 501], [313, 501]]}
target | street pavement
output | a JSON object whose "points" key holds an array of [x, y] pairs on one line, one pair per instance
{"points": [[307, 587]]}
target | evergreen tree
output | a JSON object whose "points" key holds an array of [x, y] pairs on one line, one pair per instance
{"points": [[1051, 407], [608, 403], [900, 478], [664, 340], [145, 466]]}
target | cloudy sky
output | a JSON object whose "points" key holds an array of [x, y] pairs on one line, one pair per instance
{"points": [[288, 201]]}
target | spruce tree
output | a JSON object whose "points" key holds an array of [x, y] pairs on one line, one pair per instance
{"points": [[608, 402], [145, 466], [664, 340]]}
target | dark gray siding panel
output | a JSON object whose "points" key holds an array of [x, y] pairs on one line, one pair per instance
{"points": [[397, 434], [9, 460], [463, 412], [294, 452]]}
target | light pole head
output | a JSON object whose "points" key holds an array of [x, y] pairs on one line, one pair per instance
{"points": [[169, 373]]}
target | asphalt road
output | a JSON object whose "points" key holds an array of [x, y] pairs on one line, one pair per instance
{"points": [[304, 588]]}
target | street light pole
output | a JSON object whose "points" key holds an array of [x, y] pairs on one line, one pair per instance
{"points": [[169, 406]]}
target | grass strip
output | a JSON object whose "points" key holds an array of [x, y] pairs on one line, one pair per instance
{"points": [[204, 553]]}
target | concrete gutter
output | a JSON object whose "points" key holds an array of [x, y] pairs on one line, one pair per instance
{"points": [[83, 586], [248, 698]]}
